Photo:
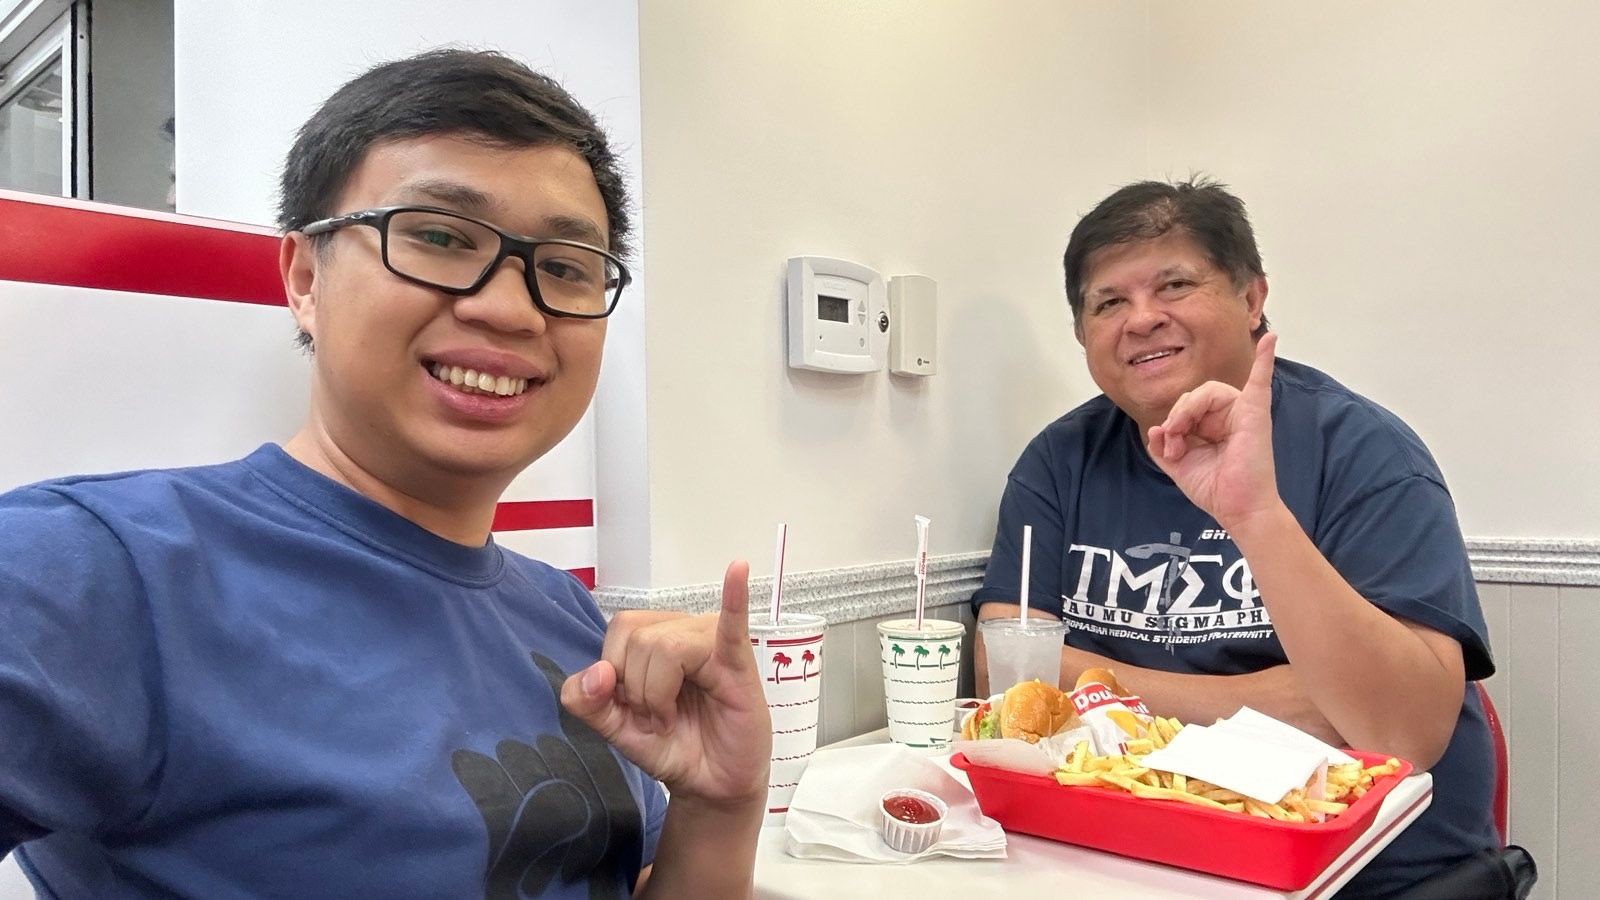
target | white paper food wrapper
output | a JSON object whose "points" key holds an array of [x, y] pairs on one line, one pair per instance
{"points": [[1016, 755], [1112, 721]]}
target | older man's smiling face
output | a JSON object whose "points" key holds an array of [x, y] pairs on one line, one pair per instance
{"points": [[1159, 318]]}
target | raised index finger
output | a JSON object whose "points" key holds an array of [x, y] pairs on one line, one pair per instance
{"points": [[1259, 386]]}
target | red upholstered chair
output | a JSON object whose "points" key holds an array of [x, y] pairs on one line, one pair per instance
{"points": [[1502, 770]]}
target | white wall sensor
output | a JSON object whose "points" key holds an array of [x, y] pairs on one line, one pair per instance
{"points": [[913, 309]]}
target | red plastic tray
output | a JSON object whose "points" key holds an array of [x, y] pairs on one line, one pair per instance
{"points": [[1285, 856]]}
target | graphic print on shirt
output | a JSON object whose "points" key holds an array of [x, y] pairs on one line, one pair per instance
{"points": [[558, 808], [1164, 592]]}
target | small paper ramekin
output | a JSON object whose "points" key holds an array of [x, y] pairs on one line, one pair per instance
{"points": [[906, 837]]}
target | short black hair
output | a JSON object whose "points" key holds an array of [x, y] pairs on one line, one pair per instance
{"points": [[1202, 207], [479, 94]]}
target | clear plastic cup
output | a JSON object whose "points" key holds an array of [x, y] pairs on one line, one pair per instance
{"points": [[1022, 650], [789, 657], [921, 668]]}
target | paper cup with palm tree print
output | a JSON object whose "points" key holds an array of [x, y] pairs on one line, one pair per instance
{"points": [[920, 672], [789, 657]]}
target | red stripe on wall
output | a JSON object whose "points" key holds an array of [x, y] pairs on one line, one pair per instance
{"points": [[531, 515], [100, 248], [584, 575]]}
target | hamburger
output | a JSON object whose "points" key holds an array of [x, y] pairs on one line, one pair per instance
{"points": [[1029, 710], [1101, 676]]}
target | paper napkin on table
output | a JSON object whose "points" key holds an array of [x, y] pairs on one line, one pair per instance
{"points": [[835, 813]]}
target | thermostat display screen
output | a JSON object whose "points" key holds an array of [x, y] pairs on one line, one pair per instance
{"points": [[834, 309]]}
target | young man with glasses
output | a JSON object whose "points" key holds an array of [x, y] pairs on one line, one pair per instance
{"points": [[311, 672]]}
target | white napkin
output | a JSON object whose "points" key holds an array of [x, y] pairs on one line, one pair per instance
{"points": [[1263, 771], [835, 814], [1264, 728]]}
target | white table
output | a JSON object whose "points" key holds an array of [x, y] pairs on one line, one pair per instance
{"points": [[1042, 868]]}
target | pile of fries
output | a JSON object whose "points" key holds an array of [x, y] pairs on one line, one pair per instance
{"points": [[1127, 772]]}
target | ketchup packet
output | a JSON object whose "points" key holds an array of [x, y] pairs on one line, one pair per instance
{"points": [[1112, 721]]}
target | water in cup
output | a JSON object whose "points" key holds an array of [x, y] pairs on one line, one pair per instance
{"points": [[1022, 650]]}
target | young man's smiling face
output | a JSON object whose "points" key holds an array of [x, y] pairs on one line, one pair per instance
{"points": [[386, 348], [1159, 318]]}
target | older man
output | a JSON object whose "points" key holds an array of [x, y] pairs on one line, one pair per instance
{"points": [[1225, 529]]}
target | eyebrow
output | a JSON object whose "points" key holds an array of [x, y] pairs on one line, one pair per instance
{"points": [[468, 199], [573, 228], [452, 194], [1163, 275], [1182, 270]]}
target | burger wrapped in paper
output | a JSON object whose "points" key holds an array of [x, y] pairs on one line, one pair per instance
{"points": [[1028, 710], [1113, 716]]}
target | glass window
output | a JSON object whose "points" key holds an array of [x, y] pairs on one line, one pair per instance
{"points": [[31, 129]]}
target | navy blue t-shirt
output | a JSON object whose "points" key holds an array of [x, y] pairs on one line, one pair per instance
{"points": [[246, 680], [1143, 576]]}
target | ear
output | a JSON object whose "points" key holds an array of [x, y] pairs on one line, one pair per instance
{"points": [[297, 265], [1255, 298], [1077, 329]]}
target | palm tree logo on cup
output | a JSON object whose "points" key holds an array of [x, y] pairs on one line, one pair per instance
{"points": [[780, 661], [920, 699]]}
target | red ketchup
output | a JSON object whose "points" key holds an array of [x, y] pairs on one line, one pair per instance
{"points": [[911, 810]]}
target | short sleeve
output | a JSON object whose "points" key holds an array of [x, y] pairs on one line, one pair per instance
{"points": [[1029, 499], [77, 673], [1400, 547], [655, 816]]}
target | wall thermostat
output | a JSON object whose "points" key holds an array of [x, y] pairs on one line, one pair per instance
{"points": [[838, 316]]}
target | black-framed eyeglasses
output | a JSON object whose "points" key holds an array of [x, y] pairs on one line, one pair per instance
{"points": [[458, 255]]}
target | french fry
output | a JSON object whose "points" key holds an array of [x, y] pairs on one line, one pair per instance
{"points": [[1079, 779], [1121, 781], [1222, 795], [1272, 810], [1155, 793], [1297, 805], [1179, 783], [1080, 753], [1327, 807], [1162, 727], [1141, 746]]}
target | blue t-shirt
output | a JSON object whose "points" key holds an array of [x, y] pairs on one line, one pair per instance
{"points": [[1143, 576], [246, 680]]}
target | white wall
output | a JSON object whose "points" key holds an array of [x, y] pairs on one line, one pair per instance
{"points": [[1423, 181], [959, 142]]}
